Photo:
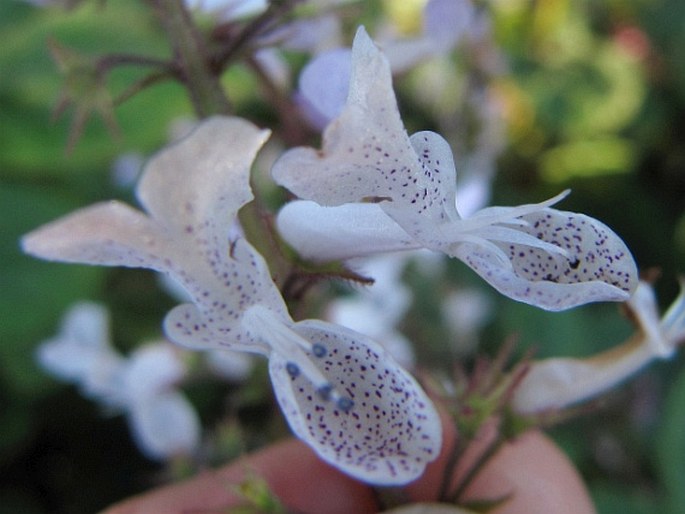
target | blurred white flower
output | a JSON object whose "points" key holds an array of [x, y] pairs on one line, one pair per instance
{"points": [[377, 309], [228, 10], [126, 170], [466, 312], [81, 353], [163, 423]]}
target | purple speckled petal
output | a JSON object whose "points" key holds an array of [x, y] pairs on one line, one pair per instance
{"points": [[192, 191], [367, 153], [597, 266], [196, 186], [386, 433]]}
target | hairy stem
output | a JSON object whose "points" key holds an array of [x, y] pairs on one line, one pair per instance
{"points": [[193, 65]]}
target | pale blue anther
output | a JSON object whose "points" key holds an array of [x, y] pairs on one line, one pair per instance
{"points": [[325, 391], [292, 369], [319, 350], [345, 404]]}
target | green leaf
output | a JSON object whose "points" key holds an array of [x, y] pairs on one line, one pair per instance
{"points": [[34, 293]]}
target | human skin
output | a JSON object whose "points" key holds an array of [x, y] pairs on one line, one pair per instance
{"points": [[531, 471]]}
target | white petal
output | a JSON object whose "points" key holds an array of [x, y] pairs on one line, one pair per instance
{"points": [[366, 151], [237, 281], [196, 186], [165, 426], [185, 325], [436, 155], [645, 309], [390, 432], [151, 369], [559, 382], [109, 234], [192, 190], [342, 232], [598, 267]]}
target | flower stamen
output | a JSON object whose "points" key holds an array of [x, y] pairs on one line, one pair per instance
{"points": [[265, 325]]}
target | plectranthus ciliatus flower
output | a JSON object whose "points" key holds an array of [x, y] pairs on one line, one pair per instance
{"points": [[341, 392], [560, 382], [142, 385], [372, 188]]}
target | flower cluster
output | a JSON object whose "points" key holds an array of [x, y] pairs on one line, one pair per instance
{"points": [[370, 189]]}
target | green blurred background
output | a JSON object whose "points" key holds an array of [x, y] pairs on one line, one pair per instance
{"points": [[594, 101]]}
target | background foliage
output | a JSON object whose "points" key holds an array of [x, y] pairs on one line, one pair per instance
{"points": [[594, 100]]}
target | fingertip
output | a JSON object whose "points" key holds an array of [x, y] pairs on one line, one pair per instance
{"points": [[295, 475]]}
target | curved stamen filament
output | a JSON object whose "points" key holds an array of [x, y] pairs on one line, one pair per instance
{"points": [[498, 215], [264, 324]]}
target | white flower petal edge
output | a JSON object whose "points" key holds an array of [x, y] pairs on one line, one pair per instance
{"points": [[532, 253], [192, 192], [559, 382], [165, 425]]}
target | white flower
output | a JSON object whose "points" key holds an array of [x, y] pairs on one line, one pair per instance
{"points": [[559, 382], [324, 81], [376, 189], [162, 421], [377, 309], [81, 353], [340, 392], [466, 312]]}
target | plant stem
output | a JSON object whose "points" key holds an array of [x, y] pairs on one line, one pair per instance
{"points": [[193, 65], [487, 454]]}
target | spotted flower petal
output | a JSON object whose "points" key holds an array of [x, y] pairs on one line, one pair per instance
{"points": [[368, 154], [191, 191], [596, 265], [532, 253], [384, 430]]}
